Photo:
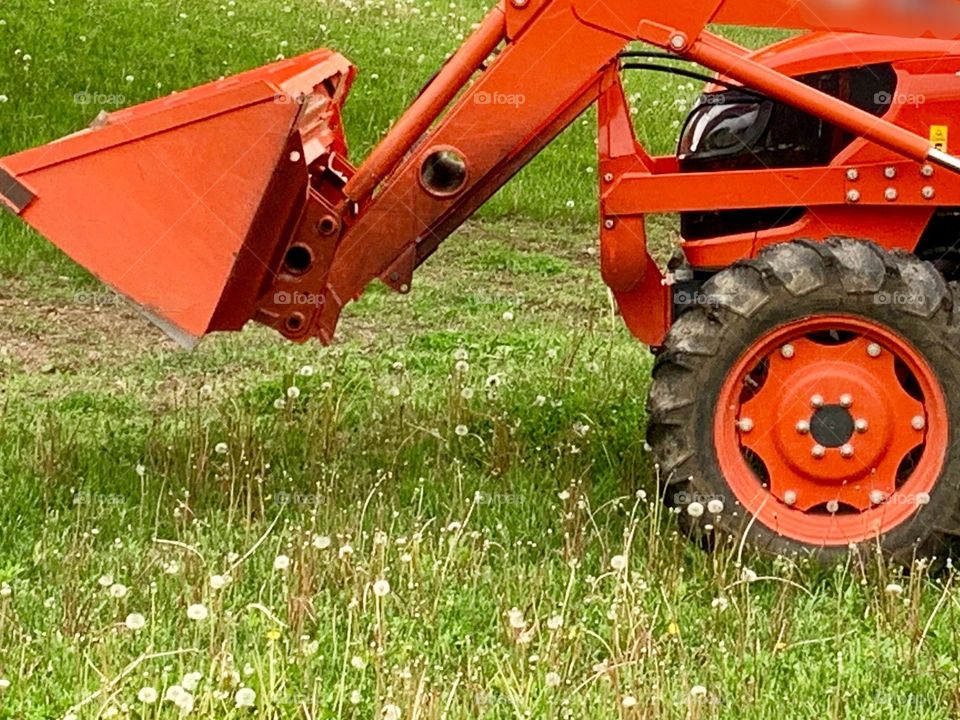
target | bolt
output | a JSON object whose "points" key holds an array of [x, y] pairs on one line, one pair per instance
{"points": [[790, 497], [404, 288], [816, 401], [928, 193], [877, 497], [295, 157], [818, 451], [853, 174], [609, 224], [890, 173], [678, 41], [890, 194], [873, 350], [861, 425], [788, 351], [746, 424], [846, 400], [853, 196], [608, 177], [918, 423], [833, 506], [803, 427], [927, 171], [846, 451]]}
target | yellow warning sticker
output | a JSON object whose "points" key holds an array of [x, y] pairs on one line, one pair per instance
{"points": [[939, 137]]}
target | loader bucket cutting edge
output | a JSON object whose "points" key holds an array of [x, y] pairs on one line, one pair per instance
{"points": [[180, 204]]}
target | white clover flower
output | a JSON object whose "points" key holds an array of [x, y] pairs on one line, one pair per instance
{"points": [[553, 679], [539, 401], [461, 430], [5, 590], [698, 691], [393, 391], [141, 470], [516, 619], [147, 695], [4, 683], [720, 603], [198, 612], [461, 354], [555, 622], [358, 663], [306, 371], [221, 448], [893, 589], [118, 591], [344, 551], [245, 698], [618, 563], [748, 575], [281, 562], [280, 403], [171, 568], [322, 542], [508, 316], [628, 701], [564, 495], [390, 712], [293, 392], [467, 393], [173, 693], [381, 588], [105, 581], [355, 697], [219, 582], [135, 621], [3, 99]]}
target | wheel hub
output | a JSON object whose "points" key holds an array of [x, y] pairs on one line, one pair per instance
{"points": [[831, 419]]}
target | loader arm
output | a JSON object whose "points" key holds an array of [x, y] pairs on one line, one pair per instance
{"points": [[306, 232]]}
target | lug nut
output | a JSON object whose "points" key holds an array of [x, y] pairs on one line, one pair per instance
{"points": [[877, 497], [788, 351], [816, 401], [873, 350], [790, 497], [846, 400], [678, 42], [833, 506], [846, 450], [818, 451], [803, 427], [745, 424], [918, 423], [861, 425]]}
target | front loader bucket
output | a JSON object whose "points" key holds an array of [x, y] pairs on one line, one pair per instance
{"points": [[180, 204]]}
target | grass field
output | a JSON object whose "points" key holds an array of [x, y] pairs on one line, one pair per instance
{"points": [[449, 514]]}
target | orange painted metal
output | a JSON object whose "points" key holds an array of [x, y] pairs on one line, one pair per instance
{"points": [[179, 204], [427, 107], [222, 205], [808, 486]]}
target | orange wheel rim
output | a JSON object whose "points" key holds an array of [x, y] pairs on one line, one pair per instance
{"points": [[831, 430]]}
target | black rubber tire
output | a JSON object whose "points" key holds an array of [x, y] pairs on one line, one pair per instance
{"points": [[741, 304]]}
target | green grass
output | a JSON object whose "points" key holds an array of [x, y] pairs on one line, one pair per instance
{"points": [[479, 445]]}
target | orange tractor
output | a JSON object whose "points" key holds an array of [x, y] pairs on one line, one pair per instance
{"points": [[806, 335]]}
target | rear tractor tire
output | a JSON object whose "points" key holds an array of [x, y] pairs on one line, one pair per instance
{"points": [[808, 401]]}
